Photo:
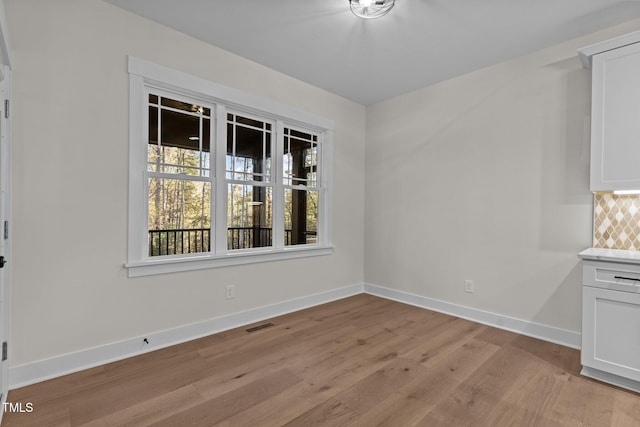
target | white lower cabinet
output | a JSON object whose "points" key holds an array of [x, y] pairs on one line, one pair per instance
{"points": [[611, 323]]}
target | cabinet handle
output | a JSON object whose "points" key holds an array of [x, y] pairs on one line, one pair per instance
{"points": [[627, 278]]}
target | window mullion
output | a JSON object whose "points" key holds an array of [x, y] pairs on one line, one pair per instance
{"points": [[213, 167], [318, 187], [278, 188], [220, 205], [200, 144]]}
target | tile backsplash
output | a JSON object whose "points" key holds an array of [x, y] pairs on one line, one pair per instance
{"points": [[616, 221]]}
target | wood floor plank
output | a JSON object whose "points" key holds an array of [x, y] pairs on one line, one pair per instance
{"points": [[359, 361], [586, 403], [414, 401], [530, 398], [400, 409], [331, 413], [626, 409], [422, 325], [511, 414], [46, 391], [443, 339], [214, 410], [236, 369], [474, 401], [153, 410], [106, 398], [356, 361], [410, 402], [236, 372], [374, 388], [461, 360], [563, 358], [284, 407], [41, 416]]}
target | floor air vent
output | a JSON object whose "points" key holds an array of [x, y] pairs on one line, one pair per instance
{"points": [[263, 326]]}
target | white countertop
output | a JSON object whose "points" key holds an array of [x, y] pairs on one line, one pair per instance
{"points": [[612, 255]]}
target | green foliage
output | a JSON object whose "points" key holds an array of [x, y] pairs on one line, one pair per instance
{"points": [[178, 203]]}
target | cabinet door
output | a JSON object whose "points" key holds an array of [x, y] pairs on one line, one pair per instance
{"points": [[615, 120], [611, 331]]}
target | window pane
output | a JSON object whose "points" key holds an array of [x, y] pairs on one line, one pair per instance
{"points": [[179, 142], [180, 130], [206, 145], [249, 122], [179, 216], [249, 216], [299, 135], [301, 217], [300, 160], [185, 106], [153, 125], [248, 150]]}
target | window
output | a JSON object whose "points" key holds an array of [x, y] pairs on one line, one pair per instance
{"points": [[179, 182], [300, 162], [249, 182], [218, 177]]}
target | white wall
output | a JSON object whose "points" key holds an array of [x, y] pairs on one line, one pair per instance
{"points": [[485, 177], [70, 163]]}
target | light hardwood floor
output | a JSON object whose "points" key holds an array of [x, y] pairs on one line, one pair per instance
{"points": [[361, 361]]}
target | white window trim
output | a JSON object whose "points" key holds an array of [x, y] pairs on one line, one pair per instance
{"points": [[143, 73]]}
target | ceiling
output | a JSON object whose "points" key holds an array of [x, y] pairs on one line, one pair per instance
{"points": [[419, 43]]}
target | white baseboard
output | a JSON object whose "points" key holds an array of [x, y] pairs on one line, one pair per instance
{"points": [[31, 373], [611, 379], [536, 330], [42, 370]]}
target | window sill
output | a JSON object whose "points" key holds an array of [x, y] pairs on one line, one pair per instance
{"points": [[174, 265]]}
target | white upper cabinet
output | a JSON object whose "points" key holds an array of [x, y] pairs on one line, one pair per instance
{"points": [[615, 113]]}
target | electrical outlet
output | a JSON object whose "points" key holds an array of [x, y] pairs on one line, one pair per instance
{"points": [[468, 286], [229, 292]]}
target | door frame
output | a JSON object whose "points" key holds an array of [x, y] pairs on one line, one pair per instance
{"points": [[5, 202]]}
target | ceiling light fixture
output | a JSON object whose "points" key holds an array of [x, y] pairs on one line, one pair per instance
{"points": [[369, 9]]}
